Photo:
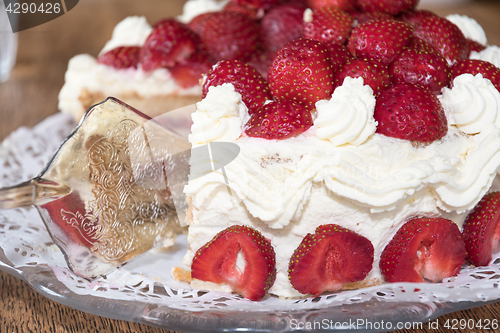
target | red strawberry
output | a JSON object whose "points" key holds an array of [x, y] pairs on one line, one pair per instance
{"points": [[279, 120], [327, 259], [229, 35], [472, 45], [188, 73], [422, 65], [423, 249], [443, 35], [281, 25], [374, 74], [216, 261], [195, 23], [250, 10], [475, 66], [482, 231], [392, 7], [408, 112], [360, 17], [379, 40], [329, 24], [338, 54], [69, 214], [414, 18], [245, 79], [261, 60], [169, 42], [302, 72], [345, 5], [121, 57]]}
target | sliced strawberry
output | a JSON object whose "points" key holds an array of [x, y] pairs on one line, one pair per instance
{"points": [[216, 261], [302, 72], [475, 66], [472, 45], [442, 34], [245, 79], [121, 57], [327, 259], [279, 120], [374, 74], [229, 35], [345, 5], [169, 43], [392, 7], [482, 231], [408, 112], [424, 248], [281, 25], [379, 40], [422, 65], [69, 214], [329, 24], [188, 73], [338, 54]]}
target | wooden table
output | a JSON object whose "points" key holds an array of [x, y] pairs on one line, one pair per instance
{"points": [[30, 95]]}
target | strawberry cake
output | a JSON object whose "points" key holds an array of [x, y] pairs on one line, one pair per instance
{"points": [[368, 154]]}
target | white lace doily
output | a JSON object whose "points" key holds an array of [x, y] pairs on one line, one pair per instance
{"points": [[26, 243]]}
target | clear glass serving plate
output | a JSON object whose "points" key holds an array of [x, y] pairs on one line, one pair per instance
{"points": [[143, 290]]}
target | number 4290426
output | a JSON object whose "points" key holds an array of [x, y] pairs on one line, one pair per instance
{"points": [[47, 8]]}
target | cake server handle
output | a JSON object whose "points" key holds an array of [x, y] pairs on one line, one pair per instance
{"points": [[32, 192]]}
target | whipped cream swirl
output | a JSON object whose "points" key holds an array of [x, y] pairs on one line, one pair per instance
{"points": [[469, 27], [490, 53], [131, 31], [472, 103], [219, 116], [348, 116]]}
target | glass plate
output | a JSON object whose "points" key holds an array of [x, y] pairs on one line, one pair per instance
{"points": [[143, 290]]}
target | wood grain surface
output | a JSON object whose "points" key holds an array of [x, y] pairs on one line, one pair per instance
{"points": [[30, 95]]}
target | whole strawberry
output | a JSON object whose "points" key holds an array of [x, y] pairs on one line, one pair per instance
{"points": [[475, 66], [216, 261], [472, 45], [188, 72], [408, 112], [379, 40], [327, 259], [338, 54], [392, 7], [281, 25], [443, 35], [229, 35], [374, 74], [363, 17], [329, 24], [424, 248], [245, 79], [422, 65], [482, 231], [121, 57], [301, 72], [279, 120], [169, 42]]}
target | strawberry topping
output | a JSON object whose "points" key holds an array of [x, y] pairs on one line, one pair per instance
{"points": [[188, 72], [374, 74], [121, 57], [379, 40], [408, 112], [279, 120], [345, 5], [423, 249], [216, 261], [475, 66], [281, 25], [472, 45], [392, 7], [329, 24], [302, 73], [482, 231], [169, 43], [245, 79], [327, 259]]}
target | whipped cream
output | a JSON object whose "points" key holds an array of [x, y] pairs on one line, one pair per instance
{"points": [[132, 31], [348, 116], [219, 116], [473, 103], [490, 53], [469, 27], [193, 8]]}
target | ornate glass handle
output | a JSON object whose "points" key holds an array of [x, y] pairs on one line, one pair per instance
{"points": [[32, 192]]}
